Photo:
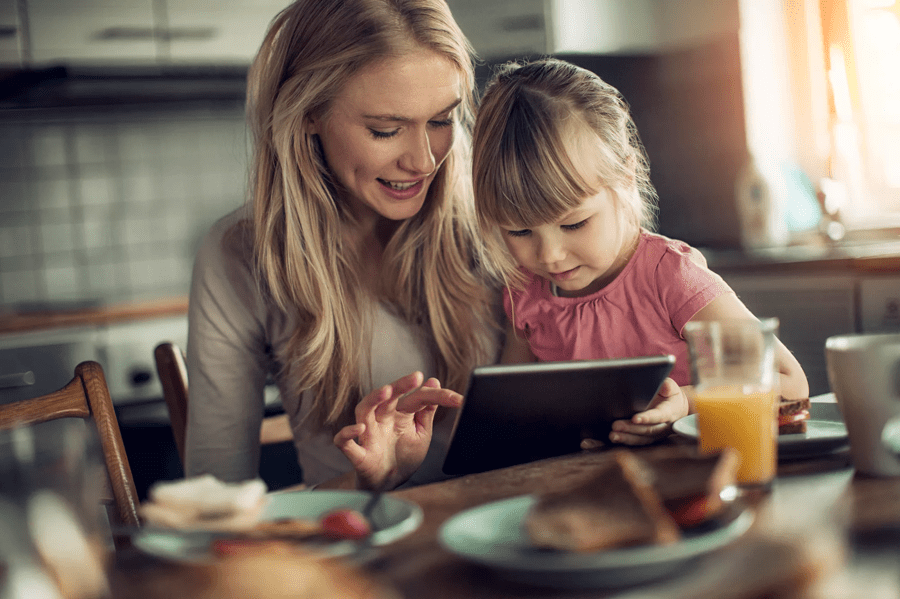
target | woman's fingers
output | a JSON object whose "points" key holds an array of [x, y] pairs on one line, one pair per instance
{"points": [[428, 397], [345, 440], [408, 383]]}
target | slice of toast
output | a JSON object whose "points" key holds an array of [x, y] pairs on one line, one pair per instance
{"points": [[618, 508], [792, 415], [690, 484]]}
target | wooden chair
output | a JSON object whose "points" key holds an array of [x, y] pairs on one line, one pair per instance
{"points": [[170, 366], [86, 396]]}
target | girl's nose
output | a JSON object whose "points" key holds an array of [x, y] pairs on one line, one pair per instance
{"points": [[549, 251], [418, 157]]}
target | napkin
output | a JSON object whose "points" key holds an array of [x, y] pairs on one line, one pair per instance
{"points": [[205, 503]]}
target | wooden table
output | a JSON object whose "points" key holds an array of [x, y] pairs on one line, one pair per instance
{"points": [[850, 525]]}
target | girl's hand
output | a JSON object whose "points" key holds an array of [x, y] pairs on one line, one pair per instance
{"points": [[393, 430], [669, 404]]}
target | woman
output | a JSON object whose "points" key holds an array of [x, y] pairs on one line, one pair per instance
{"points": [[355, 261]]}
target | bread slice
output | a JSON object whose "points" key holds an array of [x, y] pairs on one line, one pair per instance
{"points": [[792, 415], [616, 509], [691, 484]]}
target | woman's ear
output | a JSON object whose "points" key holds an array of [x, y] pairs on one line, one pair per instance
{"points": [[312, 126]]}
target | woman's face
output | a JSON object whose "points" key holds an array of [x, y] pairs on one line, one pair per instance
{"points": [[388, 131]]}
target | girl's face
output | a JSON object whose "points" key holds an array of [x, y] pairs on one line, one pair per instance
{"points": [[581, 252], [388, 131]]}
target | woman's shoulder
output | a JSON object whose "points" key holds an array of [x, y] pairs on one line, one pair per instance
{"points": [[228, 242]]}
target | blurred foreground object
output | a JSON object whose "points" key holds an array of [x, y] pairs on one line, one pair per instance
{"points": [[205, 503], [54, 537], [262, 570]]}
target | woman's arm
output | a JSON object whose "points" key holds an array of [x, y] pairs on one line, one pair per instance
{"points": [[226, 364]]}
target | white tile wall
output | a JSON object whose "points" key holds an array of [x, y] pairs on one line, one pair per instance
{"points": [[110, 206]]}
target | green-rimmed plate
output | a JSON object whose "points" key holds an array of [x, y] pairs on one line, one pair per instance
{"points": [[493, 535], [392, 518], [825, 433]]}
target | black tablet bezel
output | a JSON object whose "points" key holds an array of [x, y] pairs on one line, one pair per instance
{"points": [[517, 413]]}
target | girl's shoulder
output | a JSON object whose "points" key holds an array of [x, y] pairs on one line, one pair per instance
{"points": [[660, 249]]}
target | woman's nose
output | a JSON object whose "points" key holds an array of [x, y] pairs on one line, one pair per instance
{"points": [[419, 157]]}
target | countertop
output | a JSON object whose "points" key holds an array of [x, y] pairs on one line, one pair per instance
{"points": [[882, 257], [37, 320], [879, 257]]}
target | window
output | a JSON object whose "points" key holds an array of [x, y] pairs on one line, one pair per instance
{"points": [[862, 60]]}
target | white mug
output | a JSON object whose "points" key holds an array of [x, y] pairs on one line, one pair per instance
{"points": [[864, 373]]}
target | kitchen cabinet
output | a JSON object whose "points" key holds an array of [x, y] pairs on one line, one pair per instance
{"points": [[810, 309], [91, 31], [220, 31], [637, 26], [503, 28], [10, 34], [879, 304], [147, 32], [39, 363]]}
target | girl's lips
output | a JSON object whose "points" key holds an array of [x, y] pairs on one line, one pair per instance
{"points": [[403, 194], [565, 275]]}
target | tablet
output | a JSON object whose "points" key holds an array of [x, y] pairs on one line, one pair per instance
{"points": [[519, 413]]}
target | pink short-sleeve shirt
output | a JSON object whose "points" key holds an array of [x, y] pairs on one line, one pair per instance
{"points": [[641, 313]]}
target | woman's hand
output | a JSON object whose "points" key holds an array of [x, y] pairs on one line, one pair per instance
{"points": [[393, 430], [668, 405]]}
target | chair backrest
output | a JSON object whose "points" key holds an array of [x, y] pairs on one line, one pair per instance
{"points": [[170, 366], [172, 373], [86, 396]]}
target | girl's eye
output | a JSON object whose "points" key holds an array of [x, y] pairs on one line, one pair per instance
{"points": [[377, 134], [519, 233], [575, 226]]}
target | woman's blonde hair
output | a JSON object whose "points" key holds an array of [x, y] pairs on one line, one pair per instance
{"points": [[430, 265], [523, 172]]}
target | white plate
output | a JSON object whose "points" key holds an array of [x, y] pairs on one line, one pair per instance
{"points": [[392, 519], [824, 433], [493, 535]]}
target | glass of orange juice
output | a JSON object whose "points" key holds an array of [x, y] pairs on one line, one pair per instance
{"points": [[736, 392]]}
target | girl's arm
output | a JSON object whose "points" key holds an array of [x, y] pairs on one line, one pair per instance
{"points": [[672, 402], [794, 384]]}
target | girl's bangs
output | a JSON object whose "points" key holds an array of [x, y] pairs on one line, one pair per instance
{"points": [[536, 183]]}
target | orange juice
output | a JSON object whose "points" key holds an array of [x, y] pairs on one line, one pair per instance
{"points": [[742, 418]]}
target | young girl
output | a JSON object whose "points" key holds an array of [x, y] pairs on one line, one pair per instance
{"points": [[560, 176]]}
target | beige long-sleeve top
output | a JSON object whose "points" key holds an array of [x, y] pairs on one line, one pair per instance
{"points": [[234, 334]]}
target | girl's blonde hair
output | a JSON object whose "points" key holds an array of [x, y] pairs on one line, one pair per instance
{"points": [[307, 268], [524, 175]]}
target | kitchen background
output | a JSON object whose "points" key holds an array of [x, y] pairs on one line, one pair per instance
{"points": [[122, 139]]}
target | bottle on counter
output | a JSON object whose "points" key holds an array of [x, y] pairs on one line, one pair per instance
{"points": [[760, 205]]}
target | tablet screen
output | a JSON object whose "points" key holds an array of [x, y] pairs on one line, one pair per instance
{"points": [[519, 413]]}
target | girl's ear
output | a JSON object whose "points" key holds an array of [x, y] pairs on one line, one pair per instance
{"points": [[631, 170]]}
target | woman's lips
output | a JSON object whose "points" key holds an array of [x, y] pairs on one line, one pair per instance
{"points": [[402, 194]]}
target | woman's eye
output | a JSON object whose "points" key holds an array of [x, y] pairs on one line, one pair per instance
{"points": [[443, 123], [378, 134], [519, 233], [575, 226]]}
